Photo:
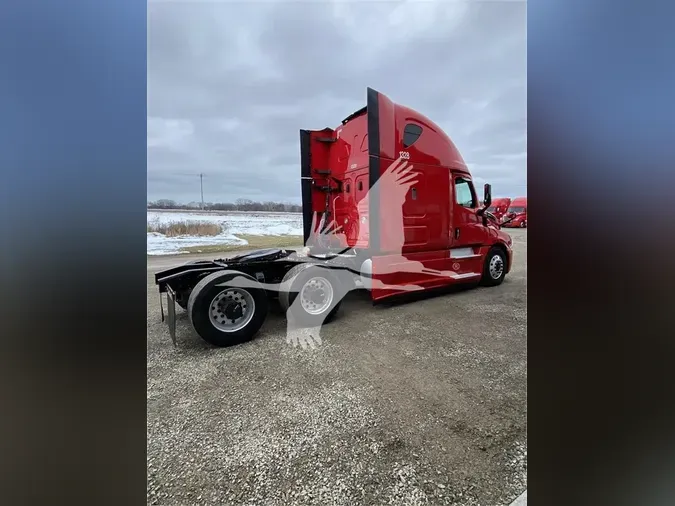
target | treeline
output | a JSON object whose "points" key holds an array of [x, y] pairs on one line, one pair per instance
{"points": [[239, 205]]}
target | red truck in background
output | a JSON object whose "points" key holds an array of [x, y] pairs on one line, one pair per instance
{"points": [[516, 215], [398, 231], [499, 207]]}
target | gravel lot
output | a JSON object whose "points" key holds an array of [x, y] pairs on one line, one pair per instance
{"points": [[417, 403]]}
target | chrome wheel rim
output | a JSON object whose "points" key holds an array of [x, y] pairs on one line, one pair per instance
{"points": [[231, 310], [316, 295], [496, 266]]}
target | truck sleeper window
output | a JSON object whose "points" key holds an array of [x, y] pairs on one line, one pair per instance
{"points": [[411, 133], [463, 193]]}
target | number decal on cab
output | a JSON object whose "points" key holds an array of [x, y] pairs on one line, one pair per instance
{"points": [[404, 155]]}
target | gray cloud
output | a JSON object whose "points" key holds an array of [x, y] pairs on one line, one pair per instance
{"points": [[231, 83]]}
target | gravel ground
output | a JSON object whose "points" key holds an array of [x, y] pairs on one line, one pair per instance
{"points": [[417, 403]]}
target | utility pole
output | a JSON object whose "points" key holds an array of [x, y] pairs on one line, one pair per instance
{"points": [[201, 184]]}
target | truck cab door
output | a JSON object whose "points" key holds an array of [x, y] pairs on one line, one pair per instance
{"points": [[467, 233]]}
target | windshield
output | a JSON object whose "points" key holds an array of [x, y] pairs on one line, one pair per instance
{"points": [[516, 209], [492, 209]]}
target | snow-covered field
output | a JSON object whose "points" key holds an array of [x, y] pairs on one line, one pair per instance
{"points": [[234, 224]]}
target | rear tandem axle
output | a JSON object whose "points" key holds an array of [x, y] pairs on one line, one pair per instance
{"points": [[227, 300]]}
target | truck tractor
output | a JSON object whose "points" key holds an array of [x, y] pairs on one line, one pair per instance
{"points": [[388, 205], [516, 215], [499, 207]]}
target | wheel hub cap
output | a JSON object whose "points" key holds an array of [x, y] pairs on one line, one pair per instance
{"points": [[316, 295], [231, 310], [496, 267]]}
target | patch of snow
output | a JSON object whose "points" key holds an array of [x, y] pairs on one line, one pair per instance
{"points": [[233, 224], [159, 244]]}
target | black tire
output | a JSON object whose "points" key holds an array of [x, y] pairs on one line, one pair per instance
{"points": [[204, 293], [523, 224], [292, 284], [488, 278]]}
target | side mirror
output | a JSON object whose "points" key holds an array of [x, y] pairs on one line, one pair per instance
{"points": [[487, 195], [487, 200]]}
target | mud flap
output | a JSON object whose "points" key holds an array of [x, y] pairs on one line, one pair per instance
{"points": [[161, 307], [171, 313]]}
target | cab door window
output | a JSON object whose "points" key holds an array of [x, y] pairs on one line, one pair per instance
{"points": [[464, 194]]}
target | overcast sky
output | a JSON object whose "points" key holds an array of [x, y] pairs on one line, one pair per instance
{"points": [[230, 84]]}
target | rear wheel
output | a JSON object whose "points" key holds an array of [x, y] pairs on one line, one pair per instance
{"points": [[311, 295], [227, 308], [523, 224], [494, 269]]}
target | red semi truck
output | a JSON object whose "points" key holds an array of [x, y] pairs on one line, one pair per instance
{"points": [[516, 215], [401, 230], [499, 206]]}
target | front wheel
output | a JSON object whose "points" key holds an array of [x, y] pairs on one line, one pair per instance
{"points": [[494, 269], [227, 308]]}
